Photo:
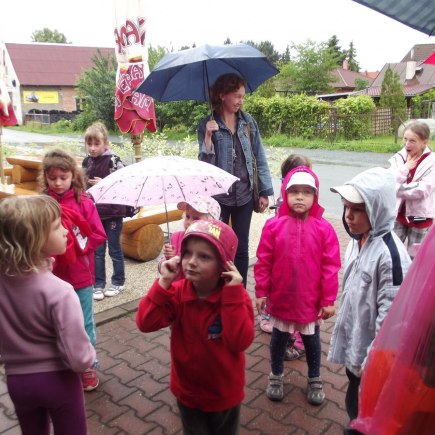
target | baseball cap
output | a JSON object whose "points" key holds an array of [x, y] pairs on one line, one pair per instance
{"points": [[219, 234], [349, 193], [202, 204], [302, 178]]}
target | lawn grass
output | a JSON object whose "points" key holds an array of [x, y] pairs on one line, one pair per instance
{"points": [[376, 144]]}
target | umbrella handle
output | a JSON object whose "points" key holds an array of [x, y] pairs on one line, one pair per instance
{"points": [[208, 91]]}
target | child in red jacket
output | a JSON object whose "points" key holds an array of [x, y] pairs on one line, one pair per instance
{"points": [[212, 324]]}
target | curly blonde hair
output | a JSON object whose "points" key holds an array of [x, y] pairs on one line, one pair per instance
{"points": [[25, 223], [59, 159]]}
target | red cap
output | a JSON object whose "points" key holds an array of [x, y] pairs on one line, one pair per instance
{"points": [[219, 234]]}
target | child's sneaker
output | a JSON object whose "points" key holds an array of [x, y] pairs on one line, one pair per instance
{"points": [[90, 380], [265, 323], [114, 290], [275, 389], [315, 393], [98, 294]]}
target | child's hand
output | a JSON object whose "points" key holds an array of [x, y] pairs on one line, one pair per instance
{"points": [[260, 304], [169, 251], [326, 312], [169, 270], [95, 180], [232, 275]]}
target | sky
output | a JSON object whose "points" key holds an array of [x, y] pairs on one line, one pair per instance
{"points": [[173, 23]]}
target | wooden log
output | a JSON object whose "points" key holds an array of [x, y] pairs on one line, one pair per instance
{"points": [[14, 189], [144, 244], [156, 216], [21, 174], [30, 185], [28, 162]]}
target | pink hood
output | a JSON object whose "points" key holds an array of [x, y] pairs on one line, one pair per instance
{"points": [[316, 210]]}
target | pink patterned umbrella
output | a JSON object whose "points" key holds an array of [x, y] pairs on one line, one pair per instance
{"points": [[161, 180]]}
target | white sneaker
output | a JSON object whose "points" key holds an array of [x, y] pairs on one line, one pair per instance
{"points": [[98, 294], [114, 290]]}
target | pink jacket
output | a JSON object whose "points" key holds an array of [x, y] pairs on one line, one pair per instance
{"points": [[419, 194], [297, 262], [81, 273]]}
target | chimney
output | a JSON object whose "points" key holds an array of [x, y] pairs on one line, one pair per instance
{"points": [[410, 69], [345, 64]]}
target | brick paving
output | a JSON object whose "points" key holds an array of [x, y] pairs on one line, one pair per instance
{"points": [[134, 398]]}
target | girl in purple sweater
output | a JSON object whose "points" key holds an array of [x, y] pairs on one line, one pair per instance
{"points": [[43, 342]]}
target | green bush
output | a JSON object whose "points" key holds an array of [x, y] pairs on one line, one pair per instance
{"points": [[354, 116]]}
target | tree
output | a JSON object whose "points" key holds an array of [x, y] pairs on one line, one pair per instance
{"points": [[351, 58], [97, 86], [310, 70], [285, 58], [155, 54], [267, 48], [392, 96], [361, 84], [227, 41], [47, 35], [335, 50]]}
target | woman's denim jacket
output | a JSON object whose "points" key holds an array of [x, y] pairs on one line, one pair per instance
{"points": [[221, 153]]}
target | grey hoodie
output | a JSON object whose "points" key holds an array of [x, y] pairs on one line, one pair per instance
{"points": [[372, 275]]}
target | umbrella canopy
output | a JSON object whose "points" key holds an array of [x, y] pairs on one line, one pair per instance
{"points": [[188, 74], [418, 14], [161, 180]]}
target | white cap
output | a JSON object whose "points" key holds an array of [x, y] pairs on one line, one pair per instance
{"points": [[349, 193], [202, 204], [302, 178]]}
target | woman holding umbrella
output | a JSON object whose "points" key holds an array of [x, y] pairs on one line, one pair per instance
{"points": [[226, 140]]}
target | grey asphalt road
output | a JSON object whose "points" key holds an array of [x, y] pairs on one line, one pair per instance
{"points": [[332, 167]]}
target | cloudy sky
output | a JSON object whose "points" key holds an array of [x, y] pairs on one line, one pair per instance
{"points": [[174, 23]]}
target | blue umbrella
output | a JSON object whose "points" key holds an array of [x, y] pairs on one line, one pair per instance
{"points": [[188, 74]]}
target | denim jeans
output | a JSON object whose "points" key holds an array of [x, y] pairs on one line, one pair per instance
{"points": [[240, 223], [113, 229], [278, 344]]}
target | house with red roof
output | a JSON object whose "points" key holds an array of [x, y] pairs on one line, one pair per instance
{"points": [[43, 76]]}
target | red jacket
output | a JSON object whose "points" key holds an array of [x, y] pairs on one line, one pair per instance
{"points": [[208, 340], [81, 273]]}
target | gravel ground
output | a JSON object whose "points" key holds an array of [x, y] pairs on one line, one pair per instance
{"points": [[140, 275]]}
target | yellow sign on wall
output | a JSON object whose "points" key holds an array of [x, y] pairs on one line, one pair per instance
{"points": [[41, 97]]}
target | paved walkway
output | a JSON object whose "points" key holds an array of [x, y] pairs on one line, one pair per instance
{"points": [[134, 398]]}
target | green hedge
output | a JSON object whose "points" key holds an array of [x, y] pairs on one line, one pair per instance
{"points": [[296, 116]]}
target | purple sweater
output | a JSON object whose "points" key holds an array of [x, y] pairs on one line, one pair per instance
{"points": [[41, 325]]}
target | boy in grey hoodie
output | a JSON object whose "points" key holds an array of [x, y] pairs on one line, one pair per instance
{"points": [[376, 262]]}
